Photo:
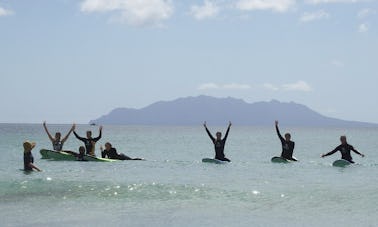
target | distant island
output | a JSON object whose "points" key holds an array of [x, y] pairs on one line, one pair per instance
{"points": [[218, 111]]}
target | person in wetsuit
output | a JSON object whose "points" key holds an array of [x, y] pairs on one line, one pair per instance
{"points": [[111, 153], [287, 145], [89, 142], [344, 149], [57, 142], [219, 143], [28, 157]]}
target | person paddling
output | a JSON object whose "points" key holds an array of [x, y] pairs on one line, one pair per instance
{"points": [[56, 141], [111, 153], [219, 142], [89, 142], [344, 149], [28, 156], [287, 145]]}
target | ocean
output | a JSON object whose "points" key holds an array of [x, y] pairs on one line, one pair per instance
{"points": [[172, 187]]}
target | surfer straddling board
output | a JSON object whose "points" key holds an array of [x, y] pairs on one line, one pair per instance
{"points": [[219, 143], [287, 145], [344, 149]]}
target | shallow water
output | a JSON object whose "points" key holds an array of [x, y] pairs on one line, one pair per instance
{"points": [[174, 188]]}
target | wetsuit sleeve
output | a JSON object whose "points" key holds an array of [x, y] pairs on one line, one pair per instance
{"points": [[78, 137], [354, 150], [279, 134], [103, 154], [208, 133], [98, 137], [225, 136], [333, 151]]}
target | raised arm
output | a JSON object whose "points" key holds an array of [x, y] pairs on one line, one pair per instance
{"points": [[47, 131], [357, 152], [99, 135], [78, 137], [68, 134], [278, 131], [103, 153], [228, 130], [208, 132]]}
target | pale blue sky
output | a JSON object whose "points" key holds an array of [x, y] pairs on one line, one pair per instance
{"points": [[71, 61]]}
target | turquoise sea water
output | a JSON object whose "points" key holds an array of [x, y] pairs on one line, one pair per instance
{"points": [[174, 188]]}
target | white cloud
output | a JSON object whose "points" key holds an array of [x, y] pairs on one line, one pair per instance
{"points": [[298, 86], [363, 28], [207, 10], [317, 15], [366, 12], [274, 5], [133, 12], [337, 63], [334, 1], [5, 12], [270, 86], [231, 86]]}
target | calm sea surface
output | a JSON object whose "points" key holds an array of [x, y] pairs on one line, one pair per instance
{"points": [[174, 188]]}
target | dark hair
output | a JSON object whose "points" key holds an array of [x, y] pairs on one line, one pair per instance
{"points": [[109, 144], [81, 149]]}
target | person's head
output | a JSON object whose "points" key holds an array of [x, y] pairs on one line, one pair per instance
{"points": [[343, 139], [89, 134], [287, 136], [28, 146], [81, 149], [219, 135], [108, 146], [58, 136]]}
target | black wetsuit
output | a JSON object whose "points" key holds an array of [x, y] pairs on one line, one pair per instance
{"points": [[28, 158], [219, 146], [287, 147], [112, 154], [88, 142], [345, 151]]}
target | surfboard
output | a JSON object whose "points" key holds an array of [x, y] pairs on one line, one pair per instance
{"points": [[279, 160], [64, 156], [213, 160], [341, 163]]}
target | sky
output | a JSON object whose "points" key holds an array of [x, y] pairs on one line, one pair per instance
{"points": [[67, 61]]}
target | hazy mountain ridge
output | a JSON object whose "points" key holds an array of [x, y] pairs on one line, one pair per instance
{"points": [[218, 111]]}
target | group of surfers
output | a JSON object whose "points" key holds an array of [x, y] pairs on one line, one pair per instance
{"points": [[219, 143]]}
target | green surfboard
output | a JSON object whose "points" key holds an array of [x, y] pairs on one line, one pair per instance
{"points": [[64, 156], [279, 160], [341, 163]]}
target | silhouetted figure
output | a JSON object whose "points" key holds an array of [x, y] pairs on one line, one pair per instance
{"points": [[344, 149], [287, 145], [219, 143]]}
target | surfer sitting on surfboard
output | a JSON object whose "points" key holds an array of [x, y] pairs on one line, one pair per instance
{"points": [[111, 153], [219, 143], [57, 142], [287, 145], [344, 149]]}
